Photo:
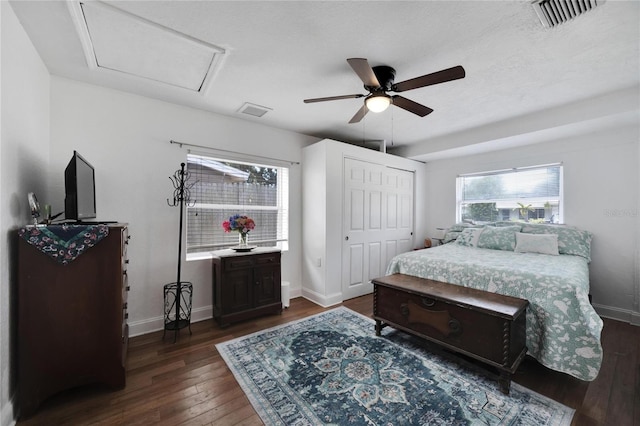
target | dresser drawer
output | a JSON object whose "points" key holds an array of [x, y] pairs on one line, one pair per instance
{"points": [[235, 263], [267, 259], [249, 261]]}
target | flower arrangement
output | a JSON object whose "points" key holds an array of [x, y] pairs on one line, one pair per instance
{"points": [[240, 223]]}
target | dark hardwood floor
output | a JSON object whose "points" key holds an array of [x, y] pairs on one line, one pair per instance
{"points": [[189, 383]]}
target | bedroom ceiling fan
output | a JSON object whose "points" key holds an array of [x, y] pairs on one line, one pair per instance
{"points": [[379, 80]]}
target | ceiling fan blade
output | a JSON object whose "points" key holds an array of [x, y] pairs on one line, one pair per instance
{"points": [[365, 72], [411, 106], [429, 79], [359, 115], [333, 98]]}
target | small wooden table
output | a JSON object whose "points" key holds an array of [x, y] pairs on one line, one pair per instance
{"points": [[486, 326]]}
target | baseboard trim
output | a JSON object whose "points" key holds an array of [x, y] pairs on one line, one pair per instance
{"points": [[138, 328], [319, 299], [618, 314], [7, 418]]}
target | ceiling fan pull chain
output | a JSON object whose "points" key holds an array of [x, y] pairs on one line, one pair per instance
{"points": [[392, 121], [364, 132]]}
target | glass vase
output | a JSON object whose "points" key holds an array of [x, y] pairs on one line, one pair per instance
{"points": [[243, 239]]}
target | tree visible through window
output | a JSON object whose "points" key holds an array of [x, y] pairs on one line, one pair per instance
{"points": [[532, 194], [220, 189]]}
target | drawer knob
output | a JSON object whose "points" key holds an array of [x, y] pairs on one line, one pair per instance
{"points": [[455, 326], [428, 302]]}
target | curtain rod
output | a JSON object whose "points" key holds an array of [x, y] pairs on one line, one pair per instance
{"points": [[233, 152]]}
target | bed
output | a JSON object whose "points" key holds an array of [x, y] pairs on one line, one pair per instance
{"points": [[546, 264]]}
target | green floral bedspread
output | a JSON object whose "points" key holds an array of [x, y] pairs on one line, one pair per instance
{"points": [[563, 329]]}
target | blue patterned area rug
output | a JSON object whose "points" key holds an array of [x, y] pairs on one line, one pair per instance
{"points": [[330, 368]]}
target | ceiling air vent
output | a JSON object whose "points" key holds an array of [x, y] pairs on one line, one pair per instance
{"points": [[556, 12], [253, 110]]}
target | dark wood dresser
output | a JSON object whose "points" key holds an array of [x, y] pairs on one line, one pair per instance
{"points": [[245, 284], [486, 326], [72, 319]]}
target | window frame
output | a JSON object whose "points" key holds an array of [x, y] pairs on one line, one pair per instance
{"points": [[283, 192], [460, 202]]}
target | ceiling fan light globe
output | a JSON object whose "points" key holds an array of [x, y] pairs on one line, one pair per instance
{"points": [[378, 103]]}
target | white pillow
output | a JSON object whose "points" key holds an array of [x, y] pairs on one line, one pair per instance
{"points": [[537, 243]]}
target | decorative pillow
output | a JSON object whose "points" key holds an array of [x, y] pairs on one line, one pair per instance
{"points": [[571, 240], [451, 236], [459, 227], [469, 237], [537, 243], [454, 231], [506, 223], [502, 238]]}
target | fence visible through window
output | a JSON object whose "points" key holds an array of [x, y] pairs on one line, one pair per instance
{"points": [[220, 189]]}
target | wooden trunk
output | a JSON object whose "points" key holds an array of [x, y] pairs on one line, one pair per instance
{"points": [[486, 326]]}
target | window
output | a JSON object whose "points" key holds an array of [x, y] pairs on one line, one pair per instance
{"points": [[220, 188], [531, 194]]}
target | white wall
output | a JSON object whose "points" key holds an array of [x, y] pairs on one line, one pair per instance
{"points": [[636, 316], [601, 195], [126, 138], [24, 158]]}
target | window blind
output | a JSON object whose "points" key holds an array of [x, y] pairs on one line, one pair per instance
{"points": [[514, 194], [542, 183], [220, 189]]}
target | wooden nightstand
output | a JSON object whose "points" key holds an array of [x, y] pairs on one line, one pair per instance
{"points": [[245, 285]]}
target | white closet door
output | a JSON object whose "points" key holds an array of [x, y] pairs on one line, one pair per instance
{"points": [[377, 222], [398, 187]]}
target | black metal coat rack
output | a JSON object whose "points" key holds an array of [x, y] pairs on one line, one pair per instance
{"points": [[178, 295]]}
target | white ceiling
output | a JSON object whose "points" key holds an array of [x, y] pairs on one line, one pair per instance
{"points": [[278, 53]]}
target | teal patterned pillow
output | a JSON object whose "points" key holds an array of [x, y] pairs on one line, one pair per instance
{"points": [[571, 240], [508, 223], [458, 227], [469, 237], [451, 236], [498, 238], [454, 231]]}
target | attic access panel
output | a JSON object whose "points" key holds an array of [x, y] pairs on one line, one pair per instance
{"points": [[115, 40]]}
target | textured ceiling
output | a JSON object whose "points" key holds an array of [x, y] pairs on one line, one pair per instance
{"points": [[279, 53]]}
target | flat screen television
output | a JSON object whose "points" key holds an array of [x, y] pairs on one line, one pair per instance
{"points": [[79, 189]]}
